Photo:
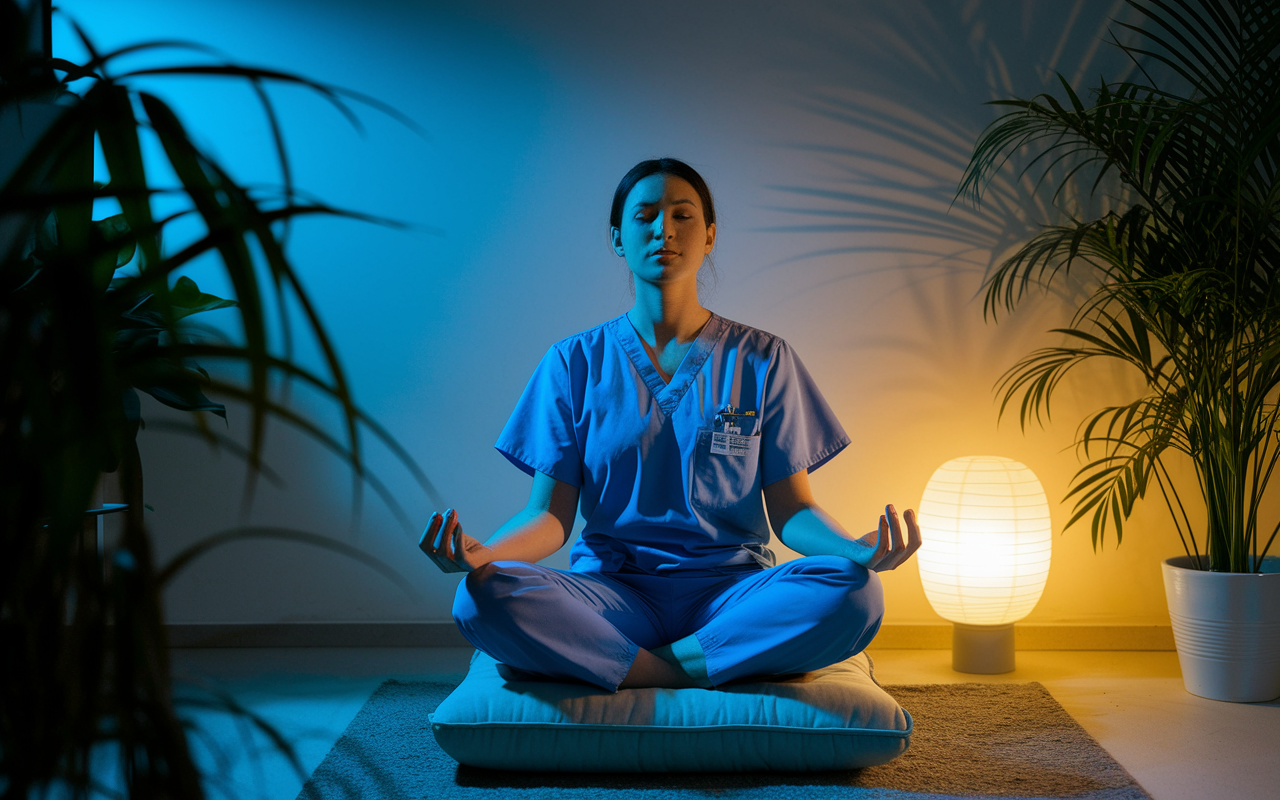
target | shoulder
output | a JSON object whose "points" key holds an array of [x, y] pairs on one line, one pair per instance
{"points": [[750, 340], [588, 344], [587, 351], [590, 339]]}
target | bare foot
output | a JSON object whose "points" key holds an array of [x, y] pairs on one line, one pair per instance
{"points": [[650, 671]]}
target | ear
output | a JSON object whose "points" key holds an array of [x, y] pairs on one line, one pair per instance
{"points": [[711, 238], [615, 236]]}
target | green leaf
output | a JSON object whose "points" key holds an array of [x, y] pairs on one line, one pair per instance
{"points": [[176, 385], [185, 299], [112, 237], [118, 134]]}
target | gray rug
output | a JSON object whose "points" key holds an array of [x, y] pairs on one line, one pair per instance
{"points": [[970, 740]]}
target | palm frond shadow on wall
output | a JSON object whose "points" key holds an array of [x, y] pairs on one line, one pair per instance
{"points": [[899, 92]]}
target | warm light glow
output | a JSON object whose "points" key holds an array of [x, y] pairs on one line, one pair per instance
{"points": [[987, 538]]}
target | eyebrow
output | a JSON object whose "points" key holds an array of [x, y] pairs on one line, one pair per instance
{"points": [[643, 204]]}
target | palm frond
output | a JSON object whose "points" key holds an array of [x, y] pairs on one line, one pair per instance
{"points": [[78, 343], [1182, 275]]}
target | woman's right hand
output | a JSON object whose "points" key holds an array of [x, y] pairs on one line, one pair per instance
{"points": [[452, 550]]}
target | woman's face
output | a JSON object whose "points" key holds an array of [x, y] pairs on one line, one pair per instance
{"points": [[663, 236]]}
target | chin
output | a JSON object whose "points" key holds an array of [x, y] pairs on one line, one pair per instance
{"points": [[664, 276]]}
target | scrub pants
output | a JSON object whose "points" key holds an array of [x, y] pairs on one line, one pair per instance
{"points": [[588, 626]]}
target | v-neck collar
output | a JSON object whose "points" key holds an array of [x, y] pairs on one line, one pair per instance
{"points": [[669, 394]]}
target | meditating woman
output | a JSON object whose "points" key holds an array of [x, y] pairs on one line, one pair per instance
{"points": [[671, 429]]}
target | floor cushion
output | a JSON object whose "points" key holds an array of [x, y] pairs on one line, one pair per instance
{"points": [[837, 717]]}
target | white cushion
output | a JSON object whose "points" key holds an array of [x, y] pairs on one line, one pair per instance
{"points": [[837, 717]]}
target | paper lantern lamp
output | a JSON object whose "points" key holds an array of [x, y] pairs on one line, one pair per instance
{"points": [[984, 560]]}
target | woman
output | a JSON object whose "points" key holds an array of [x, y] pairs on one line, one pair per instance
{"points": [[669, 425]]}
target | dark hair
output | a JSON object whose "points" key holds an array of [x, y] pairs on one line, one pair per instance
{"points": [[661, 166]]}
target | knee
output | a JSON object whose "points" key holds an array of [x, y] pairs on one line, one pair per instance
{"points": [[857, 590], [858, 609], [489, 587], [869, 597], [835, 571]]}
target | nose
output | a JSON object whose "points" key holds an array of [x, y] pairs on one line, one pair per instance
{"points": [[661, 228]]}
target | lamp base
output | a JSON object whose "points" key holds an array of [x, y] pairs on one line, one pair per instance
{"points": [[982, 649]]}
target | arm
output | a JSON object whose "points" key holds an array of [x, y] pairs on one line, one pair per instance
{"points": [[803, 526], [537, 531]]}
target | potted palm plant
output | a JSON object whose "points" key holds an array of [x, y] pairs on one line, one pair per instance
{"points": [[84, 677], [1182, 277]]}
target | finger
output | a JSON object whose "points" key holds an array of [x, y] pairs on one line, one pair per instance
{"points": [[895, 528], [453, 548], [429, 534], [902, 555], [446, 533], [882, 542], [443, 532], [440, 563], [443, 563], [914, 539], [430, 543], [433, 525], [891, 530]]}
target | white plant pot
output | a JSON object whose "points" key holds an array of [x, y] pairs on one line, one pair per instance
{"points": [[1227, 629]]}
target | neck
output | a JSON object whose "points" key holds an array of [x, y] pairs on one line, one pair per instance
{"points": [[665, 312]]}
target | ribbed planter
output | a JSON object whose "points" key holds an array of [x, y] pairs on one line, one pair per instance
{"points": [[1227, 629]]}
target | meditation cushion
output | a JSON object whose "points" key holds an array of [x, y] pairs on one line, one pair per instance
{"points": [[837, 717]]}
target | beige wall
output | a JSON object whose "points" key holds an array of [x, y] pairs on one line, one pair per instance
{"points": [[939, 406]]}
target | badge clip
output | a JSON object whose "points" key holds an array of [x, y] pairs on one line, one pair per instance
{"points": [[732, 420]]}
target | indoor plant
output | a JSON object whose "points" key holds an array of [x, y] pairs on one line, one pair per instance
{"points": [[84, 670], [1183, 285]]}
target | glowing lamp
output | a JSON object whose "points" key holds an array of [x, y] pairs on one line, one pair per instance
{"points": [[984, 521]]}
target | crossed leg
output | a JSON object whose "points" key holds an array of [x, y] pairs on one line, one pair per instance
{"points": [[600, 628]]}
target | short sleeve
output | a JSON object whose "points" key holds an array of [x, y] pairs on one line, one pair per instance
{"points": [[540, 436], [797, 427]]}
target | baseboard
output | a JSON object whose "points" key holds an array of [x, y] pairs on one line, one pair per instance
{"points": [[445, 634], [1035, 637], [316, 634]]}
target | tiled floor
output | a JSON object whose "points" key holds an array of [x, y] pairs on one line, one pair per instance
{"points": [[1175, 744]]}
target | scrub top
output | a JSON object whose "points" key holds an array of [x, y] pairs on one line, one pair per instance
{"points": [[670, 474]]}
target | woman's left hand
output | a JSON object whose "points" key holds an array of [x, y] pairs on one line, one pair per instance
{"points": [[883, 549]]}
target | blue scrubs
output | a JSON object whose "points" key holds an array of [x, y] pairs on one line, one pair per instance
{"points": [[675, 542]]}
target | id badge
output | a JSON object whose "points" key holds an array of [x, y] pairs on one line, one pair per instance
{"points": [[727, 438], [730, 444]]}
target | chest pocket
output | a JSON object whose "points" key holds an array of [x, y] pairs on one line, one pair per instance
{"points": [[728, 482]]}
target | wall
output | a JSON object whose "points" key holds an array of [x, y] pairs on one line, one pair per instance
{"points": [[833, 135]]}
